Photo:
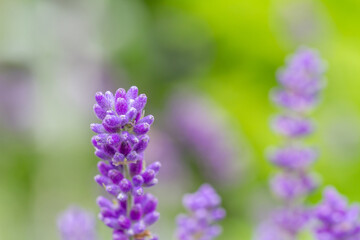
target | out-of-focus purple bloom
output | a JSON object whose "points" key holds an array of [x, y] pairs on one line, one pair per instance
{"points": [[335, 219], [120, 142], [76, 224], [202, 127], [284, 224], [300, 83], [289, 186], [204, 213], [292, 126], [293, 157]]}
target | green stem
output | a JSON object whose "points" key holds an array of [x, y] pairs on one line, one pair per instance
{"points": [[129, 198]]}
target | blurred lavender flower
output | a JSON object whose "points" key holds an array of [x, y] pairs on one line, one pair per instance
{"points": [[77, 224], [203, 128], [205, 212], [336, 220], [284, 224], [301, 81], [120, 141]]}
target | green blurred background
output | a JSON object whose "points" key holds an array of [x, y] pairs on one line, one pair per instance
{"points": [[54, 55]]}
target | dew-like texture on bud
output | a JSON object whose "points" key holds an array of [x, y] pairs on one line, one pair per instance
{"points": [[335, 219], [77, 224], [120, 143], [204, 212]]}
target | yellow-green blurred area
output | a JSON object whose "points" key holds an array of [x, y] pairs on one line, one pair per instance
{"points": [[54, 56]]}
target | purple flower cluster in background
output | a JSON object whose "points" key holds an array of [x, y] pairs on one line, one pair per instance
{"points": [[300, 84], [204, 212], [335, 219], [120, 142], [77, 224], [301, 81], [202, 128]]}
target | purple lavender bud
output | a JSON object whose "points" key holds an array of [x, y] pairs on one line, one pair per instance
{"points": [[94, 142], [136, 212], [103, 168], [149, 119], [104, 202], [150, 204], [99, 111], [120, 93], [112, 121], [131, 138], [109, 150], [76, 224], [137, 180], [155, 166], [124, 222], [125, 185], [97, 128], [110, 98], [139, 227], [136, 168], [151, 218], [102, 101], [101, 154], [148, 175], [140, 102], [116, 176], [118, 159], [142, 144], [107, 213], [121, 106], [131, 114], [293, 157], [111, 223], [138, 191], [141, 128], [113, 189], [100, 139], [118, 235], [114, 139], [125, 148], [151, 183], [132, 93], [122, 197], [132, 156]]}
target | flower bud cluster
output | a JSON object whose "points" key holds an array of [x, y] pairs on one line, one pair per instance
{"points": [[120, 143], [205, 212]]}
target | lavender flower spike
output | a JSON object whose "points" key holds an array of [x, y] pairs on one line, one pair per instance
{"points": [[301, 81], [300, 84], [77, 224], [336, 220], [205, 212], [120, 143]]}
